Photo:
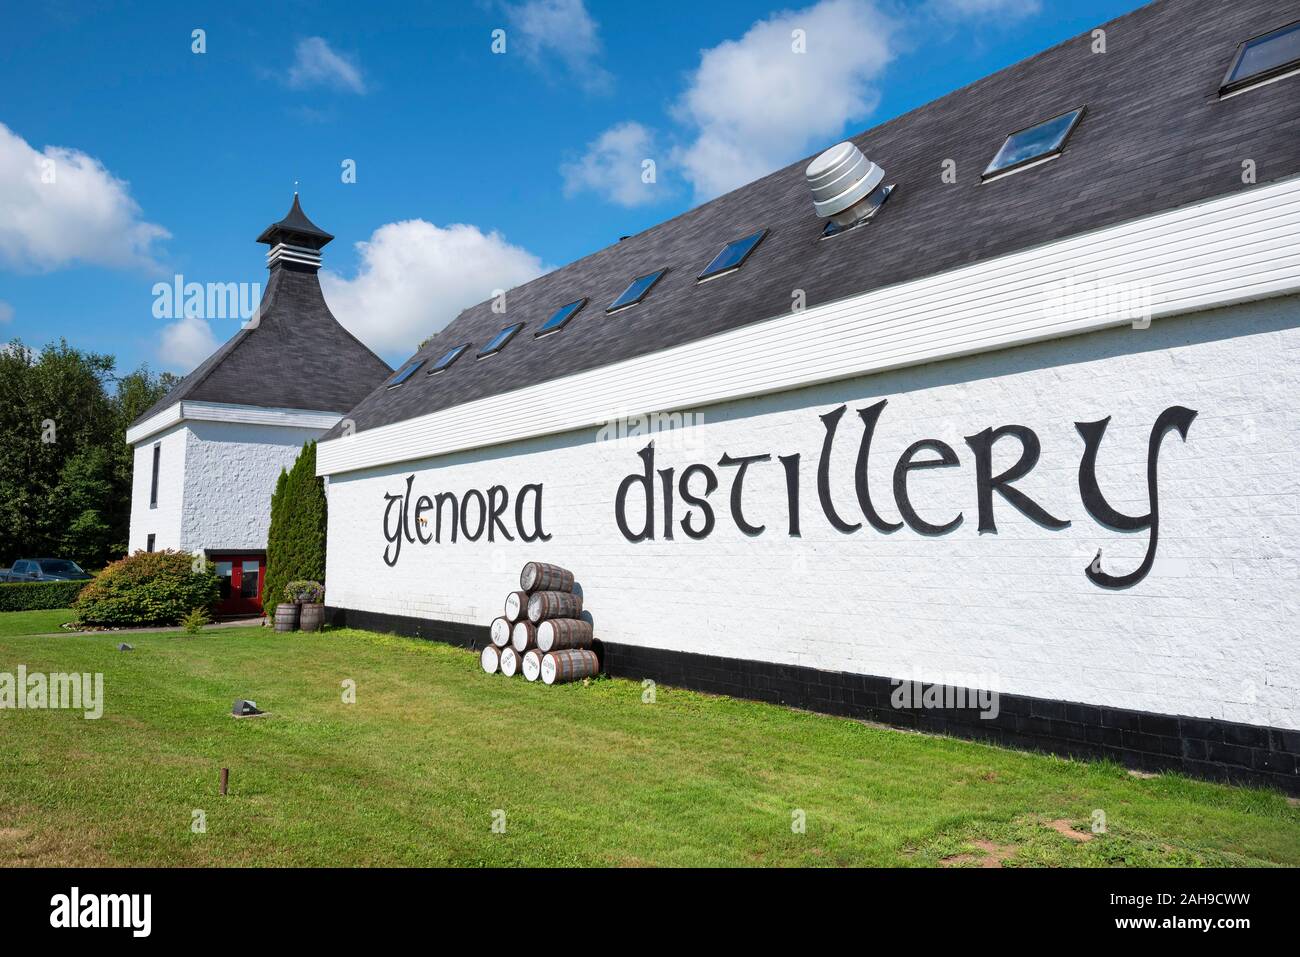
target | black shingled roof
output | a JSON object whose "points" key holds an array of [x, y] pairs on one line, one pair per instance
{"points": [[1155, 136], [297, 356]]}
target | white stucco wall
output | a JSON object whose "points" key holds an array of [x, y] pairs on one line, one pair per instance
{"points": [[164, 520], [215, 484], [1211, 631], [231, 470]]}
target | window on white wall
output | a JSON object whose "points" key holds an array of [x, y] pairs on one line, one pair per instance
{"points": [[153, 481], [148, 545]]}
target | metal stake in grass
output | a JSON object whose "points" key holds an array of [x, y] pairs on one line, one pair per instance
{"points": [[225, 780]]}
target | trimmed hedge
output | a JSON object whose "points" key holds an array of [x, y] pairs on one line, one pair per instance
{"points": [[38, 596], [148, 588]]}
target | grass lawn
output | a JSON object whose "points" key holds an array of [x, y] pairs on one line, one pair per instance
{"points": [[34, 622], [585, 774]]}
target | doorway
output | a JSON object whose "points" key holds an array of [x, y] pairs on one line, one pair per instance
{"points": [[240, 580]]}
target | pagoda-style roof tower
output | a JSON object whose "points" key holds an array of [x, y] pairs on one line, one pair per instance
{"points": [[293, 354]]}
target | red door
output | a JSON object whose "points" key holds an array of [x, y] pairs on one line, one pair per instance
{"points": [[240, 579]]}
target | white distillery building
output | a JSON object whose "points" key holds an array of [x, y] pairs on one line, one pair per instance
{"points": [[1000, 397], [207, 455]]}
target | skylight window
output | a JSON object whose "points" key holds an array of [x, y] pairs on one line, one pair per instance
{"points": [[499, 341], [1268, 57], [448, 358], [732, 257], [636, 291], [560, 318], [1037, 144], [405, 373]]}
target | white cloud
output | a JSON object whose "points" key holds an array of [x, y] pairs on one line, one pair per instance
{"points": [[1011, 9], [612, 167], [6, 312], [754, 104], [59, 205], [185, 343], [317, 64], [416, 277], [543, 30]]}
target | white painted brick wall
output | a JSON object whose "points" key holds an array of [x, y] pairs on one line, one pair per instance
{"points": [[164, 520], [1211, 632], [231, 471], [215, 484]]}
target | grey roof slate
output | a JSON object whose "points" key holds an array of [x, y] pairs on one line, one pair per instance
{"points": [[1155, 136], [298, 356]]}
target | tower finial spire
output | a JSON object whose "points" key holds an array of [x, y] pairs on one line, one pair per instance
{"points": [[295, 239]]}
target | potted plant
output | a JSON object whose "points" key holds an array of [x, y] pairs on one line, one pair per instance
{"points": [[309, 596]]}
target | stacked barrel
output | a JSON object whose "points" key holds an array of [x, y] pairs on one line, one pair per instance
{"points": [[542, 633]]}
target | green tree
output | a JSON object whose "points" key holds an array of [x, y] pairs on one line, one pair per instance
{"points": [[295, 542], [65, 467]]}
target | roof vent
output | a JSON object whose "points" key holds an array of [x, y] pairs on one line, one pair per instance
{"points": [[845, 186]]}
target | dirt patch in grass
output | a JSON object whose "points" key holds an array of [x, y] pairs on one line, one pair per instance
{"points": [[988, 854], [1064, 827]]}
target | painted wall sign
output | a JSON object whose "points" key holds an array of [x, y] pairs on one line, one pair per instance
{"points": [[660, 494]]}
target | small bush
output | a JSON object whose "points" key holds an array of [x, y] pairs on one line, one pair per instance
{"points": [[304, 592], [148, 588], [193, 622], [38, 596]]}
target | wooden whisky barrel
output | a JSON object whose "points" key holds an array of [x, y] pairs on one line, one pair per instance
{"points": [[555, 634], [286, 617], [500, 632], [524, 636], [542, 576], [553, 604], [516, 606], [532, 664], [509, 661], [490, 659], [572, 664]]}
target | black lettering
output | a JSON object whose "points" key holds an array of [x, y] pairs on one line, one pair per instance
{"points": [[986, 483], [947, 457], [737, 489], [666, 480], [831, 421], [870, 416], [455, 515], [647, 455], [1174, 417], [394, 537], [464, 514], [498, 499], [538, 534], [422, 505], [706, 510], [791, 465]]}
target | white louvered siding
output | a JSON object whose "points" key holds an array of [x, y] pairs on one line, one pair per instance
{"points": [[1236, 248]]}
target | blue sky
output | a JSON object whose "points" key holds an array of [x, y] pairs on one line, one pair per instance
{"points": [[475, 169]]}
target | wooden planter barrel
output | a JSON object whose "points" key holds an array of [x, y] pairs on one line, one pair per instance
{"points": [[500, 632], [533, 664], [312, 616], [553, 604], [516, 606], [573, 664], [286, 617], [541, 576], [555, 634], [490, 658], [509, 661], [524, 636]]}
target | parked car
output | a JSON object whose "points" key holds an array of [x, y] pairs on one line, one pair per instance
{"points": [[45, 570]]}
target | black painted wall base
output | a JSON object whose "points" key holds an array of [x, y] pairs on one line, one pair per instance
{"points": [[1201, 747]]}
